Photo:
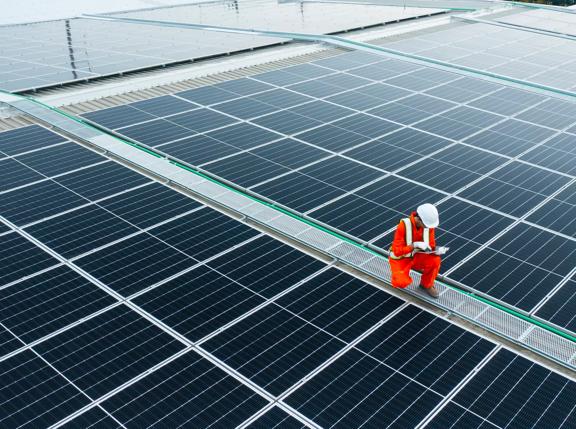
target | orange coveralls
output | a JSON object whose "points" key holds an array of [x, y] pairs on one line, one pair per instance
{"points": [[428, 264]]}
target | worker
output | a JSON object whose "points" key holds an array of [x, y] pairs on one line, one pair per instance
{"points": [[414, 247]]}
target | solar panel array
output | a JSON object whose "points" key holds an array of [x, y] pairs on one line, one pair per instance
{"points": [[55, 52], [295, 17], [127, 304], [357, 141], [44, 54], [556, 22], [540, 58]]}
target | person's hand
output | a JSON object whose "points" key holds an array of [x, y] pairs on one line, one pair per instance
{"points": [[421, 245], [441, 250]]}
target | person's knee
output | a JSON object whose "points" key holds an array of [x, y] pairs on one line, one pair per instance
{"points": [[400, 281]]}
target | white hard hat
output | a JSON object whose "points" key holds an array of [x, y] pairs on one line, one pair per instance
{"points": [[428, 214]]}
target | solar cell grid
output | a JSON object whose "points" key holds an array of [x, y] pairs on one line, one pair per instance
{"points": [[511, 391], [43, 304], [26, 139], [107, 350], [35, 394], [276, 418]]}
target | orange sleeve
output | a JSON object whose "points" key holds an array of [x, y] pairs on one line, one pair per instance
{"points": [[432, 238], [399, 246]]}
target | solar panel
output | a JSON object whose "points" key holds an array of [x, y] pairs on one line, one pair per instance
{"points": [[510, 52], [484, 149], [51, 53], [268, 15]]}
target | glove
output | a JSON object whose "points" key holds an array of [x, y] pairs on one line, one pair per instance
{"points": [[441, 250], [420, 245]]}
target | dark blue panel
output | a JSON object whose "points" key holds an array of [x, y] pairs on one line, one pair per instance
{"points": [[14, 174], [34, 395], [556, 215], [384, 92], [399, 194], [553, 159], [321, 111], [500, 143], [156, 132], [298, 191], [568, 195], [559, 309], [502, 196], [368, 126], [276, 418], [198, 149], [537, 247], [454, 416], [274, 348], [24, 139], [531, 178], [108, 350], [551, 113], [333, 138], [449, 128], [355, 100], [164, 105], [290, 153], [203, 233], [134, 264], [412, 81], [563, 142], [201, 120], [427, 104], [345, 81], [246, 169], [102, 180], [60, 159], [42, 304], [8, 342], [416, 141], [93, 418], [149, 205], [212, 397], [506, 278], [315, 88], [342, 173], [20, 258], [80, 231], [460, 248], [245, 108], [199, 302], [427, 349], [511, 391], [523, 131], [287, 122], [4, 228], [244, 86], [116, 117], [37, 201], [340, 304], [471, 222], [383, 155], [463, 89], [439, 175], [266, 266], [207, 95], [282, 98], [470, 159], [356, 390], [399, 113], [507, 101], [358, 216], [243, 135]]}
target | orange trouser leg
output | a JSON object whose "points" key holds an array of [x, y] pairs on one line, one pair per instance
{"points": [[429, 265], [401, 272]]}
